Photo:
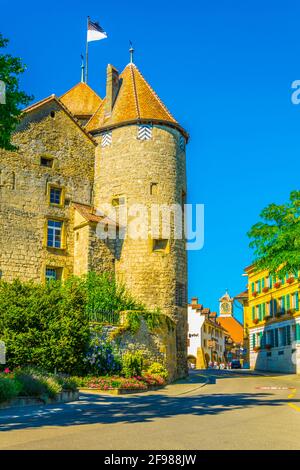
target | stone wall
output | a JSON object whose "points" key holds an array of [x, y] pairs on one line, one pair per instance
{"points": [[24, 203]]}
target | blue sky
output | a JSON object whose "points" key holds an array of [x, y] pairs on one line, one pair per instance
{"points": [[224, 68]]}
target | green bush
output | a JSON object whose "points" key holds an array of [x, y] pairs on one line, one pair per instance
{"points": [[48, 325], [132, 364], [158, 369], [30, 386], [9, 388], [44, 326]]}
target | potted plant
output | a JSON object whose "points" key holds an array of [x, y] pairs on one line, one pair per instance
{"points": [[291, 311], [290, 280], [265, 289], [256, 348], [254, 294], [277, 284], [255, 321]]}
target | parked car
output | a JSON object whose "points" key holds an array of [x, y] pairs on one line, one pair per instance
{"points": [[236, 364]]}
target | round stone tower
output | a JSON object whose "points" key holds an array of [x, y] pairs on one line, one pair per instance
{"points": [[140, 168]]}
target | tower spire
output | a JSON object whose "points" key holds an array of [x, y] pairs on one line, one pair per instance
{"points": [[82, 69], [131, 52]]}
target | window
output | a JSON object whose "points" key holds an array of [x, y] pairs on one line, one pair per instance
{"points": [[54, 233], [118, 201], [153, 189], [55, 195], [161, 245], [180, 294], [53, 274], [47, 162]]}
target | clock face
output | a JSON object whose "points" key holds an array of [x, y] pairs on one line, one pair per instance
{"points": [[226, 307]]}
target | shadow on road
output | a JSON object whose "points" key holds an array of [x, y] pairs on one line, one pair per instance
{"points": [[93, 409]]}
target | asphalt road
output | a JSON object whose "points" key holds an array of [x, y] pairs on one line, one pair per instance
{"points": [[234, 411]]}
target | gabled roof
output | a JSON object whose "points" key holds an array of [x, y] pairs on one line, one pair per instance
{"points": [[54, 99], [233, 327], [90, 214], [81, 100], [136, 102]]}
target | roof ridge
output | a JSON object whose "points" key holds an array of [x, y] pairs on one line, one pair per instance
{"points": [[96, 112], [135, 91], [64, 108], [154, 93], [81, 83]]}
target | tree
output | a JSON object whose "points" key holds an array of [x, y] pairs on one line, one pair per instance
{"points": [[276, 240], [10, 69]]}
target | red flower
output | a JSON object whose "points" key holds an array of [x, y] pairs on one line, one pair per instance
{"points": [[7, 371]]}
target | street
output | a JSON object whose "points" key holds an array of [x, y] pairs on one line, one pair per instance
{"points": [[235, 410]]}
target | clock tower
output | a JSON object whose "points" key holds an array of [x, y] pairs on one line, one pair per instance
{"points": [[226, 305]]}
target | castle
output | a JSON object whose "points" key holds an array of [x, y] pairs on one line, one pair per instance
{"points": [[77, 152]]}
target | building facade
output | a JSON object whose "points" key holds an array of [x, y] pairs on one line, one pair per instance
{"points": [[206, 337], [272, 322], [234, 338], [77, 154]]}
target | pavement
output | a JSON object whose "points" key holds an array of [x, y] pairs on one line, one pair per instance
{"points": [[210, 410]]}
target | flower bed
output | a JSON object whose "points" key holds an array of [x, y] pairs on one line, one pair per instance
{"points": [[138, 383]]}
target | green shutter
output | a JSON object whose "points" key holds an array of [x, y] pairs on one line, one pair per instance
{"points": [[297, 331], [288, 302], [259, 311], [253, 339], [270, 282], [297, 300], [263, 310], [263, 282], [252, 287], [253, 313], [259, 286], [288, 334]]}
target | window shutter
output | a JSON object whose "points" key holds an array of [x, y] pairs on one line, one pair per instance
{"points": [[253, 313], [106, 139], [144, 132], [263, 310], [297, 331], [288, 334], [253, 340], [259, 286], [297, 300], [276, 337], [272, 337], [260, 312], [263, 282], [288, 302], [252, 287], [270, 282]]}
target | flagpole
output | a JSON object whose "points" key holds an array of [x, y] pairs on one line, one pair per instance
{"points": [[87, 53]]}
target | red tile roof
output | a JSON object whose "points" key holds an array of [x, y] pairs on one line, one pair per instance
{"points": [[233, 327], [90, 214], [136, 101]]}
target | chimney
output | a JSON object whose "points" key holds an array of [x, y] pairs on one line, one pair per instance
{"points": [[194, 300], [112, 88]]}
